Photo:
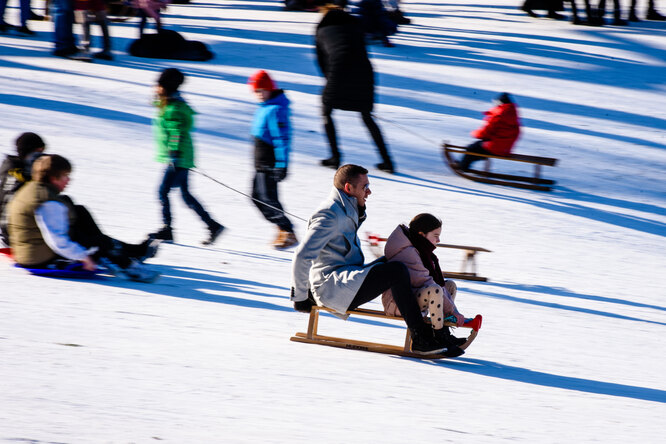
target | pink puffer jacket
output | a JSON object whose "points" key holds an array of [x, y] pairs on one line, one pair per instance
{"points": [[399, 248]]}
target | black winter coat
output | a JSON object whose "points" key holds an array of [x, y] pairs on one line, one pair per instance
{"points": [[344, 62]]}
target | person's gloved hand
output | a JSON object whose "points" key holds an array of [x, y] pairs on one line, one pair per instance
{"points": [[278, 174], [303, 306]]}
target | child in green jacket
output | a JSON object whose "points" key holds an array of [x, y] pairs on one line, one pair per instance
{"points": [[172, 127]]}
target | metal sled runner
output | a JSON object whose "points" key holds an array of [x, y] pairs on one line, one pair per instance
{"points": [[312, 336]]}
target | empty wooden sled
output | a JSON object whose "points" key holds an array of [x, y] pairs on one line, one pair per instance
{"points": [[312, 335], [468, 262], [535, 182]]}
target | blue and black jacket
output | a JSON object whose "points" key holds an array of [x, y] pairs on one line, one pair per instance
{"points": [[272, 133]]}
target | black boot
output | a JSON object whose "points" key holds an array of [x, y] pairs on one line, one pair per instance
{"points": [[331, 162], [386, 166], [444, 335], [424, 342], [214, 232], [165, 234]]}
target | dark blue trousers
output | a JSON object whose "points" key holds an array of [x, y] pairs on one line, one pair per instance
{"points": [[264, 188], [177, 178]]}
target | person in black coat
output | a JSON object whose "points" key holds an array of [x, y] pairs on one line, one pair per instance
{"points": [[350, 84]]}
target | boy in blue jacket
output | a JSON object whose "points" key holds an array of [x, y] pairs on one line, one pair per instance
{"points": [[271, 131]]}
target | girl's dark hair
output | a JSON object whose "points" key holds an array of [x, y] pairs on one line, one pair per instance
{"points": [[424, 223]]}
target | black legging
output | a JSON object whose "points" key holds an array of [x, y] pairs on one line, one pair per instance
{"points": [[375, 132], [393, 275], [468, 159], [85, 232]]}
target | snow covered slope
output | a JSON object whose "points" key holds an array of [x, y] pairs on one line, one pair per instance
{"points": [[574, 313]]}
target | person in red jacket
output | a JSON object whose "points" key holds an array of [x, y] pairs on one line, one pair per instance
{"points": [[499, 133]]}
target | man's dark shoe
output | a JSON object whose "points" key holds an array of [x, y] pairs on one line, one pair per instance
{"points": [[633, 17], [165, 234], [620, 22], [444, 336], [214, 232], [453, 352], [555, 16], [331, 162], [424, 342]]}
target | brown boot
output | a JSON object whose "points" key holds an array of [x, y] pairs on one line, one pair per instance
{"points": [[284, 239]]}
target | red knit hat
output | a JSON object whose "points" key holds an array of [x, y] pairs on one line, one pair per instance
{"points": [[261, 80]]}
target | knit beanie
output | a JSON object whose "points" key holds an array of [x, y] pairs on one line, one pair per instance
{"points": [[261, 80], [170, 80], [27, 143], [503, 98]]}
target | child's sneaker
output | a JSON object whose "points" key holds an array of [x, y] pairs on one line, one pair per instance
{"points": [[215, 232], [165, 234], [151, 246]]}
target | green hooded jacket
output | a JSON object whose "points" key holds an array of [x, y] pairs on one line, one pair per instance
{"points": [[172, 127]]}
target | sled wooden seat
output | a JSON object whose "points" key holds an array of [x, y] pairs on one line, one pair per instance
{"points": [[312, 335], [535, 182], [468, 262]]}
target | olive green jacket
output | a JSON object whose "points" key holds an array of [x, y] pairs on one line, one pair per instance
{"points": [[26, 239]]}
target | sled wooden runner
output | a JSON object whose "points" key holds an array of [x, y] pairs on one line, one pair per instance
{"points": [[312, 335], [535, 182], [469, 258]]}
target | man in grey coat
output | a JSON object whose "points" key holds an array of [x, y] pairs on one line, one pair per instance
{"points": [[329, 270]]}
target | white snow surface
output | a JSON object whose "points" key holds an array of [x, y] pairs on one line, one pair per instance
{"points": [[571, 348]]}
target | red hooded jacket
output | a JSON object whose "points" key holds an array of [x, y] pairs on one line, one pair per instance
{"points": [[501, 129]]}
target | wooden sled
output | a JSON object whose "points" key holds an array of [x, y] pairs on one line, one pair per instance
{"points": [[469, 258], [312, 336], [535, 182]]}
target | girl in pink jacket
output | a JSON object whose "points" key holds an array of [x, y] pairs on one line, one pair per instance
{"points": [[414, 246]]}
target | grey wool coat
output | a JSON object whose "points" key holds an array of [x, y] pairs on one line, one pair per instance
{"points": [[329, 260]]}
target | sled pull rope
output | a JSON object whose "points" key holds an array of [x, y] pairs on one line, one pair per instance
{"points": [[196, 170], [405, 129]]}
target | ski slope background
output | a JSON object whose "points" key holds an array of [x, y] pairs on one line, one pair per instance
{"points": [[571, 347]]}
